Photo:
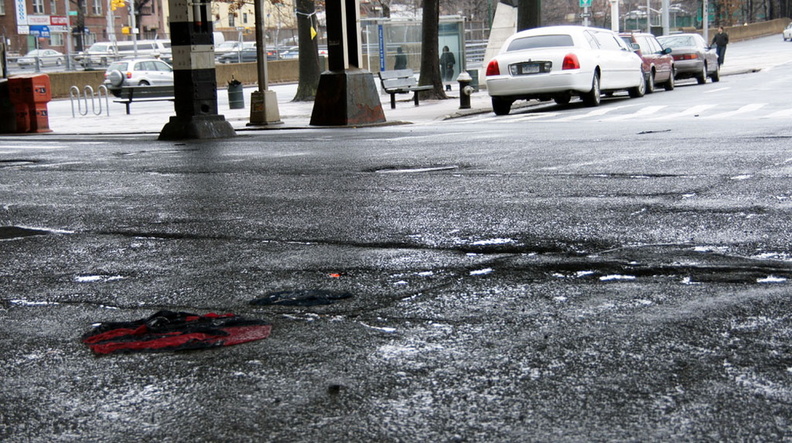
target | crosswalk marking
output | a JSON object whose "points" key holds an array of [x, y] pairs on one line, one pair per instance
{"points": [[751, 111], [743, 110], [535, 116], [695, 110], [594, 113], [641, 113], [784, 113]]}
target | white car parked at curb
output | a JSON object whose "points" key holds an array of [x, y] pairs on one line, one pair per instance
{"points": [[138, 72], [558, 62]]}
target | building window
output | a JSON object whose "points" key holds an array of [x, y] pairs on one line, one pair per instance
{"points": [[56, 39], [2, 8], [231, 20], [244, 18], [53, 7], [38, 6], [97, 7]]}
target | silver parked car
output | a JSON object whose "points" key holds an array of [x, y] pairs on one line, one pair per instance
{"points": [[138, 72], [693, 58], [46, 57]]}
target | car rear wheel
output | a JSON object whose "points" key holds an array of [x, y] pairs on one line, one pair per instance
{"points": [[640, 90], [669, 84], [701, 77], [501, 105], [650, 82], [593, 97], [562, 99], [715, 76], [144, 83]]}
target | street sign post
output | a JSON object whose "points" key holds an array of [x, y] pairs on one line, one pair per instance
{"points": [[585, 15]]}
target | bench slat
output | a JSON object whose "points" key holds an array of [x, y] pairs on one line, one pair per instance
{"points": [[401, 81], [142, 93]]}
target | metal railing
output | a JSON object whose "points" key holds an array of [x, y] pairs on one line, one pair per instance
{"points": [[82, 97]]}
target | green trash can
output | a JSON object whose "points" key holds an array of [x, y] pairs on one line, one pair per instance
{"points": [[236, 96]]}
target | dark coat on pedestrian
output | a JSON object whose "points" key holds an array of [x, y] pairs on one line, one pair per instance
{"points": [[447, 62], [401, 59]]}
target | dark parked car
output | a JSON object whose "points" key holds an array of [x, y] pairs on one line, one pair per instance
{"points": [[246, 55], [658, 65], [693, 58]]}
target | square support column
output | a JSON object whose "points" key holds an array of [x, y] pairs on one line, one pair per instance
{"points": [[346, 95]]}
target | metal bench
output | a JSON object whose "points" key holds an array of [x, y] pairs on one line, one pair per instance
{"points": [[128, 94], [401, 81]]}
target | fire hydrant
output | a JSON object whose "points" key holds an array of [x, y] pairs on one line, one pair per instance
{"points": [[465, 90]]}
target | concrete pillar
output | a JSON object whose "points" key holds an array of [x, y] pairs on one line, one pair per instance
{"points": [[195, 87], [346, 95], [263, 102]]}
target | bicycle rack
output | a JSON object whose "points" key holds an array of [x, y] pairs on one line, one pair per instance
{"points": [[88, 91]]}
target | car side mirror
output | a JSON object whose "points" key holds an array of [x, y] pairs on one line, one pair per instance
{"points": [[635, 47], [666, 51]]}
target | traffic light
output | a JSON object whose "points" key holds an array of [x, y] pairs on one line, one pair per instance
{"points": [[115, 4]]}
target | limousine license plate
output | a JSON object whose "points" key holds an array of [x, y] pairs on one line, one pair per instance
{"points": [[527, 68]]}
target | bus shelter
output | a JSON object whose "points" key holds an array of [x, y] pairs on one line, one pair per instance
{"points": [[382, 38]]}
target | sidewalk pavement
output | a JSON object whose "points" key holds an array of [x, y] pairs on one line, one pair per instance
{"points": [[150, 117]]}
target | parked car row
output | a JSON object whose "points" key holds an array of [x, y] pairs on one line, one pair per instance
{"points": [[246, 53], [559, 62]]}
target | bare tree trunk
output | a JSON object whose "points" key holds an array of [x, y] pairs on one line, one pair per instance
{"points": [[79, 36], [309, 53], [430, 57]]}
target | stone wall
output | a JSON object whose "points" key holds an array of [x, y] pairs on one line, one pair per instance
{"points": [[753, 30], [280, 71]]}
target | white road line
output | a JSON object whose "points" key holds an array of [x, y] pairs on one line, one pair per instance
{"points": [[536, 116], [745, 109], [780, 114], [643, 112], [687, 112], [595, 113], [715, 90]]}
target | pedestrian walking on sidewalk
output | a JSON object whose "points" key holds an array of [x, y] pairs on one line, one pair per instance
{"points": [[720, 41]]}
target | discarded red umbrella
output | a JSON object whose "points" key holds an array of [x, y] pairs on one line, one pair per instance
{"points": [[174, 331]]}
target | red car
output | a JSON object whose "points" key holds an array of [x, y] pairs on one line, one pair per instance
{"points": [[658, 64]]}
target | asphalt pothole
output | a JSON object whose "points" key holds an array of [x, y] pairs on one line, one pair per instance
{"points": [[14, 162], [415, 169], [15, 232]]}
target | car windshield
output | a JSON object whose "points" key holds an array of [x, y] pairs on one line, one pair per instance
{"points": [[541, 41], [678, 41], [118, 66], [99, 48], [227, 45]]}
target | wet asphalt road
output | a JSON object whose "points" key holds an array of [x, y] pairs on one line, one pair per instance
{"points": [[510, 283]]}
